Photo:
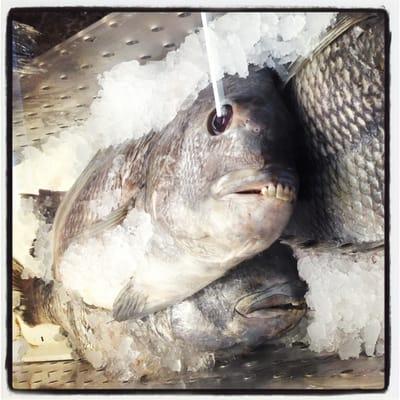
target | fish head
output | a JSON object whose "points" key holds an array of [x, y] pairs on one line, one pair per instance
{"points": [[225, 186], [259, 300], [266, 299]]}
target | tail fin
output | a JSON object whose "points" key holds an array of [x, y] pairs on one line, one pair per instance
{"points": [[35, 296]]}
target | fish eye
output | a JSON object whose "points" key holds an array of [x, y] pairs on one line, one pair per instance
{"points": [[218, 124]]}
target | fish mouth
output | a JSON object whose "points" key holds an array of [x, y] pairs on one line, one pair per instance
{"points": [[279, 300], [271, 182]]}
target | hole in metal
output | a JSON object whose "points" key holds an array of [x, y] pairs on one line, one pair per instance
{"points": [[33, 128], [48, 106], [50, 133], [184, 14], [157, 29], [89, 38], [131, 42], [113, 24], [31, 114], [63, 126], [20, 134], [169, 45], [64, 52], [63, 77], [64, 97], [347, 371], [108, 54], [86, 66], [46, 87], [82, 87], [145, 57]]}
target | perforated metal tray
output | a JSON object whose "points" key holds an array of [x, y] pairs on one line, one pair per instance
{"points": [[65, 84], [58, 96], [270, 368]]}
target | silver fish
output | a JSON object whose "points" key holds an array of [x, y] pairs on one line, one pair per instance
{"points": [[218, 189], [340, 97], [260, 300]]}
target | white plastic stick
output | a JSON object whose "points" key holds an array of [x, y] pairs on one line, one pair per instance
{"points": [[217, 86]]}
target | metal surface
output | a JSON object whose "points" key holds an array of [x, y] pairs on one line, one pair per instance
{"points": [[60, 94], [281, 368]]}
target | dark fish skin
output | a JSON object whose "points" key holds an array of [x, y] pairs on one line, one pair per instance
{"points": [[339, 95], [260, 300]]}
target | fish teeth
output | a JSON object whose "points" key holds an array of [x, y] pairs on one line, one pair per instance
{"points": [[279, 192], [287, 192], [272, 190]]}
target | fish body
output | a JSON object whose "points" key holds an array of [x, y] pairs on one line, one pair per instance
{"points": [[339, 95], [218, 190], [260, 300]]}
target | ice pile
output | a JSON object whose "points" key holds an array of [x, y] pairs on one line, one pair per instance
{"points": [[100, 267], [346, 296]]}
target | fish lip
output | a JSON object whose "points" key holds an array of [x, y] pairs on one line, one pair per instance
{"points": [[257, 182], [282, 298]]}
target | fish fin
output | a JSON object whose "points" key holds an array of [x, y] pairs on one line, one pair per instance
{"points": [[34, 294], [130, 303], [110, 221], [302, 243], [344, 23], [46, 203]]}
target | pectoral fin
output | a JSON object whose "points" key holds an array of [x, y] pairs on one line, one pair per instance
{"points": [[130, 303], [111, 221]]}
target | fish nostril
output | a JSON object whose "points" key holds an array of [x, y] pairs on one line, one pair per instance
{"points": [[253, 127]]}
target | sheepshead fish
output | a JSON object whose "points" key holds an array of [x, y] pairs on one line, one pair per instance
{"points": [[339, 94], [260, 300], [218, 191]]}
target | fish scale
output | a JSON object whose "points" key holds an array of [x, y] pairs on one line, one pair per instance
{"points": [[339, 94]]}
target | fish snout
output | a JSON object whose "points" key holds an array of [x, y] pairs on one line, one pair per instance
{"points": [[272, 181]]}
